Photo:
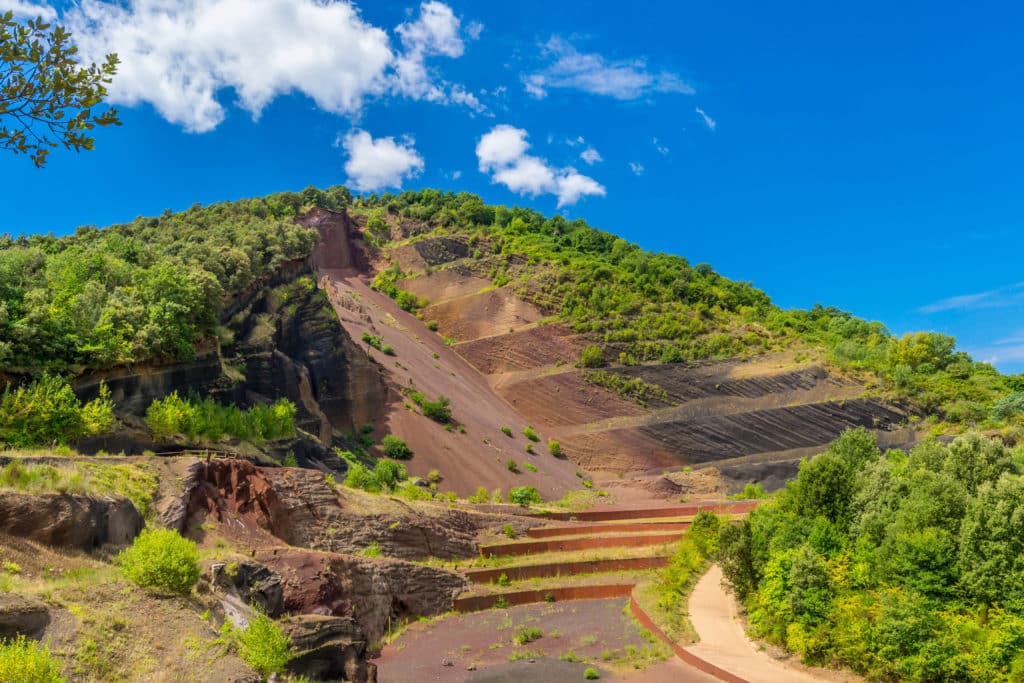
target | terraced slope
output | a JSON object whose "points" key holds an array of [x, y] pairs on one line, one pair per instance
{"points": [[764, 412]]}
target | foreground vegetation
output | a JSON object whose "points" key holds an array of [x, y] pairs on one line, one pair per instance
{"points": [[900, 566]]}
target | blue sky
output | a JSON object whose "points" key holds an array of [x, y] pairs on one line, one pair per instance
{"points": [[866, 156]]}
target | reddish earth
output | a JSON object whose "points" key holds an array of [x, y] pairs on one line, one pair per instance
{"points": [[484, 641]]}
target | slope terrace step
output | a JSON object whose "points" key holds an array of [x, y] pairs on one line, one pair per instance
{"points": [[612, 527], [621, 514], [567, 568], [577, 543]]}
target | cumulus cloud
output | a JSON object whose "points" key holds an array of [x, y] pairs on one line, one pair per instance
{"points": [[23, 9], [662, 149], [378, 163], [591, 156], [627, 79], [708, 121], [636, 168], [501, 153], [179, 55]]}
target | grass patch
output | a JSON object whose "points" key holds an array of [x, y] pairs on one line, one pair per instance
{"points": [[82, 478]]}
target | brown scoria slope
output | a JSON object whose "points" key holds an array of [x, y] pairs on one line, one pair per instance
{"points": [[512, 363]]}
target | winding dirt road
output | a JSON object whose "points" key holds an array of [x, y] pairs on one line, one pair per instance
{"points": [[715, 617]]}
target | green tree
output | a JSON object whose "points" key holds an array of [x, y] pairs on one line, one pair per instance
{"points": [[47, 99], [992, 543]]}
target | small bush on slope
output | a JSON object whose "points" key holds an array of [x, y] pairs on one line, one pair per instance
{"points": [[262, 644], [161, 560], [26, 661]]}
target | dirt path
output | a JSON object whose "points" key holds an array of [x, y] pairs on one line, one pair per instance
{"points": [[714, 615]]}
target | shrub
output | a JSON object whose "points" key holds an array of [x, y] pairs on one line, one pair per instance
{"points": [[47, 411], [503, 580], [592, 357], [434, 476], [509, 530], [373, 340], [432, 326], [524, 495], [481, 496], [162, 560], [27, 661], [290, 460], [174, 415], [387, 350], [395, 448], [263, 645], [555, 448], [507, 431], [439, 410], [512, 465], [527, 634], [373, 550], [530, 466], [530, 434], [591, 674], [751, 491], [529, 448]]}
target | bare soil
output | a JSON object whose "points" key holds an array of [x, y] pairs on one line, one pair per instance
{"points": [[485, 641]]}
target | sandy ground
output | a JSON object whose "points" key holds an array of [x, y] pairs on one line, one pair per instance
{"points": [[483, 641], [715, 617]]}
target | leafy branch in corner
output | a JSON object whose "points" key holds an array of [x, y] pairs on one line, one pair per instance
{"points": [[47, 100]]}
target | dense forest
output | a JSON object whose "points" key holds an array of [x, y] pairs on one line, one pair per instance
{"points": [[900, 566], [152, 289]]}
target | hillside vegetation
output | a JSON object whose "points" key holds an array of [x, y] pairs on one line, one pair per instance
{"points": [[153, 289], [900, 566], [643, 307]]}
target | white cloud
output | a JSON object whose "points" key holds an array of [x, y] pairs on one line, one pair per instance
{"points": [[24, 9], [636, 168], [662, 149], [708, 121], [474, 29], [179, 55], [378, 163], [1011, 295], [591, 156], [623, 79], [501, 153], [456, 175]]}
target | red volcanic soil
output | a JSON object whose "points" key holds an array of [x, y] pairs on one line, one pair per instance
{"points": [[482, 315], [534, 347], [423, 362], [484, 641]]}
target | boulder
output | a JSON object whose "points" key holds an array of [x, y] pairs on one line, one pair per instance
{"points": [[328, 648], [22, 615], [255, 585], [68, 521]]}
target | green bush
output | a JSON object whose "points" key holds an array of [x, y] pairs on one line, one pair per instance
{"points": [[208, 419], [530, 434], [263, 645], [507, 431], [592, 357], [432, 326], [751, 491], [439, 410], [524, 495], [591, 674], [26, 661], [512, 465], [160, 559], [385, 476], [395, 448], [47, 411], [555, 448]]}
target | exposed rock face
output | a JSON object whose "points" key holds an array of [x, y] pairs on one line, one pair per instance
{"points": [[68, 521], [22, 615], [286, 341], [329, 648], [376, 592], [253, 583], [298, 507]]}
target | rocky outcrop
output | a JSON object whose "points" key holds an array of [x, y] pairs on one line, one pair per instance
{"points": [[377, 592], [22, 615], [283, 340], [300, 508], [328, 649], [254, 584], [68, 521]]}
